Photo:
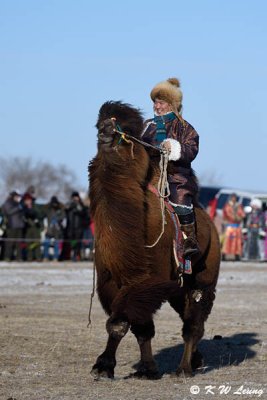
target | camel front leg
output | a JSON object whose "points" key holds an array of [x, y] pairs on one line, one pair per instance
{"points": [[106, 362]]}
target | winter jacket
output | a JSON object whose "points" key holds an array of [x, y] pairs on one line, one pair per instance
{"points": [[14, 214], [33, 217], [184, 148], [77, 218], [256, 220], [55, 217]]}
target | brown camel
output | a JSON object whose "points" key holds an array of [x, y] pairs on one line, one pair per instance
{"points": [[133, 280]]}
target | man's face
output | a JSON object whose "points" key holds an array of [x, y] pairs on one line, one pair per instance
{"points": [[76, 199], [16, 198], [233, 199], [28, 202], [161, 107]]}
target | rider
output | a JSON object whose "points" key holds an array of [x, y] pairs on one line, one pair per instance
{"points": [[170, 130]]}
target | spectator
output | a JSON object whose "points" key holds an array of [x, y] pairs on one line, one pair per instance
{"points": [[264, 208], [77, 219], [33, 226], [255, 230], [233, 214], [55, 215], [14, 226], [88, 237], [212, 211], [31, 191], [3, 223]]}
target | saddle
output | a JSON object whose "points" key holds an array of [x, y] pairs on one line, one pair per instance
{"points": [[183, 264]]}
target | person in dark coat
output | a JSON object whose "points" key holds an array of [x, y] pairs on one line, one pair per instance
{"points": [[55, 215], [77, 219], [254, 228], [13, 212], [170, 130], [33, 226]]}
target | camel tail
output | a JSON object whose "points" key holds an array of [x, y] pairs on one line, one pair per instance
{"points": [[139, 302]]}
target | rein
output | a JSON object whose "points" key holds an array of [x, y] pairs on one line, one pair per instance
{"points": [[163, 186], [164, 192], [125, 136]]}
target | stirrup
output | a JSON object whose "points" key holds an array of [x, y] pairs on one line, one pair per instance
{"points": [[192, 248]]}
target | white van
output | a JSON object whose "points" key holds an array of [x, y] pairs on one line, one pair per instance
{"points": [[243, 198]]}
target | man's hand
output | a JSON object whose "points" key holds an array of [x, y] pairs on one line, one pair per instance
{"points": [[167, 146]]}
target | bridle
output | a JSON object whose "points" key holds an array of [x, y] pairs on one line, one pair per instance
{"points": [[126, 137]]}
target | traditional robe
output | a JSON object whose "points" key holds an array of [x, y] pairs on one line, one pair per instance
{"points": [[233, 214], [184, 143], [254, 248]]}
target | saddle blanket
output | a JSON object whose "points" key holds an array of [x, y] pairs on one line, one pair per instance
{"points": [[183, 265]]}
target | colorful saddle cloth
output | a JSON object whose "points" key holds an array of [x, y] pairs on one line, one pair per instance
{"points": [[183, 265]]}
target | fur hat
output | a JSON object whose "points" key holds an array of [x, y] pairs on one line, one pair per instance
{"points": [[256, 203], [170, 92], [27, 196], [54, 200], [75, 194]]}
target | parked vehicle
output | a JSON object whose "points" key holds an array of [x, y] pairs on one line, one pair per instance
{"points": [[243, 197], [207, 193]]}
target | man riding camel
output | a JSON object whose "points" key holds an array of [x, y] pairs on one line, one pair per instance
{"points": [[170, 130]]}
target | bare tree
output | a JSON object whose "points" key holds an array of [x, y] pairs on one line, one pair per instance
{"points": [[18, 173], [210, 178]]}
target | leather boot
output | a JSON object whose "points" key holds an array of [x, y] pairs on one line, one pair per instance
{"points": [[190, 245], [187, 223]]}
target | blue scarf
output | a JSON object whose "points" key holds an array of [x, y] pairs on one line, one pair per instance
{"points": [[161, 120]]}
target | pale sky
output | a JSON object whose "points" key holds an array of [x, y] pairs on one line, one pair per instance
{"points": [[61, 59]]}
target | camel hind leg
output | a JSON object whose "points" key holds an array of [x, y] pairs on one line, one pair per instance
{"points": [[194, 315], [192, 359], [147, 368]]}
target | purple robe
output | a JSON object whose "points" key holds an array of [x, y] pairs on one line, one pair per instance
{"points": [[182, 181]]}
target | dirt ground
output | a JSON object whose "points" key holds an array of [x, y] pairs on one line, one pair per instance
{"points": [[47, 351]]}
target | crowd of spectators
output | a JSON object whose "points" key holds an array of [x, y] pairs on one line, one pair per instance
{"points": [[243, 235], [56, 231], [52, 231]]}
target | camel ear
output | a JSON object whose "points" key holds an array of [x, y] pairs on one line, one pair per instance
{"points": [[174, 81]]}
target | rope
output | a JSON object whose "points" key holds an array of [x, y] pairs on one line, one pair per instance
{"points": [[163, 186], [164, 191], [162, 150], [91, 297]]}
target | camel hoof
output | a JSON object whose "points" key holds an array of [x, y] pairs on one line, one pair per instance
{"points": [[182, 372], [197, 360], [147, 375], [147, 370], [103, 369], [101, 375]]}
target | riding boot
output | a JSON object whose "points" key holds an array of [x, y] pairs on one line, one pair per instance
{"points": [[190, 245], [187, 221]]}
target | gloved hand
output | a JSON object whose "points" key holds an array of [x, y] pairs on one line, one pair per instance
{"points": [[262, 234]]}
